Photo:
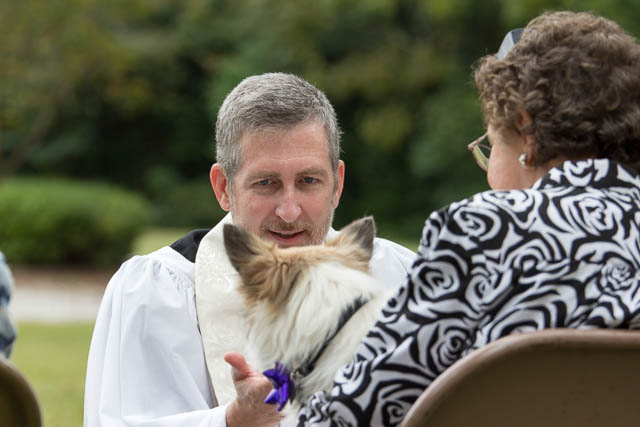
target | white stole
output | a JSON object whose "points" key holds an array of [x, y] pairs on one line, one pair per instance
{"points": [[219, 306]]}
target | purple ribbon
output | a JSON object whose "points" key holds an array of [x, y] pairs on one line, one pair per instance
{"points": [[284, 388]]}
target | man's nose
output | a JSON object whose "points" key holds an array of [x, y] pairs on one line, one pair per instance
{"points": [[288, 208]]}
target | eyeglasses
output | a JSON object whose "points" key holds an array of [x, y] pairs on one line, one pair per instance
{"points": [[509, 41], [481, 152]]}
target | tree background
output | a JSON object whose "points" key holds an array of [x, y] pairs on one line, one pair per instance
{"points": [[126, 91]]}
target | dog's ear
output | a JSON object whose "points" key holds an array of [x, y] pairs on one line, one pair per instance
{"points": [[242, 247], [265, 276], [358, 238]]}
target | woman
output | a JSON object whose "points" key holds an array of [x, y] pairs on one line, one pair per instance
{"points": [[556, 243]]}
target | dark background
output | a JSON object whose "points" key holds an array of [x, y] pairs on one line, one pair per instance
{"points": [[126, 91]]}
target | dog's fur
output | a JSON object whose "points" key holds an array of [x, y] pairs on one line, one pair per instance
{"points": [[295, 298]]}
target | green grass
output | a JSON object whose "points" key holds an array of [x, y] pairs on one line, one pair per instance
{"points": [[53, 358], [155, 238]]}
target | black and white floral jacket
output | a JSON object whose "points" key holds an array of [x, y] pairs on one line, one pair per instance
{"points": [[564, 253]]}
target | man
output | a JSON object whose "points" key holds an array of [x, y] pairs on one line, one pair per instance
{"points": [[279, 176]]}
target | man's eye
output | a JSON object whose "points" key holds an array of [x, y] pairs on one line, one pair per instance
{"points": [[309, 180], [263, 182]]}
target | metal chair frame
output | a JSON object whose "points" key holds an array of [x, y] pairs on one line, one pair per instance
{"points": [[553, 377]]}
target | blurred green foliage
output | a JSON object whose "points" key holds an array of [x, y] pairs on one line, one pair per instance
{"points": [[128, 90], [55, 221]]}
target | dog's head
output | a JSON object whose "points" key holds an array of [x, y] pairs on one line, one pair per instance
{"points": [[269, 274], [295, 297]]}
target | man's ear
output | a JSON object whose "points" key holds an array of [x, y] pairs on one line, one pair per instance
{"points": [[339, 184], [220, 186]]}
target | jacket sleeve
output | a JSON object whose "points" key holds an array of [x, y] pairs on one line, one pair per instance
{"points": [[146, 364], [421, 331]]}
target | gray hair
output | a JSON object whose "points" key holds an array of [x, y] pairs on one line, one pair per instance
{"points": [[271, 101]]}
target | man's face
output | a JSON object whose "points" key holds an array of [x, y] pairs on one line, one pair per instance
{"points": [[285, 190]]}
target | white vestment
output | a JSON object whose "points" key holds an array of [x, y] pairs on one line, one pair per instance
{"points": [[147, 364]]}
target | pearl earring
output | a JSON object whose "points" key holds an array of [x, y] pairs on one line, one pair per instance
{"points": [[523, 160]]}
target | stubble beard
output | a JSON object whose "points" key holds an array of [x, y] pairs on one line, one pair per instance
{"points": [[315, 235]]}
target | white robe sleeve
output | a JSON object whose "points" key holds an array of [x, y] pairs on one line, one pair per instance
{"points": [[146, 363], [390, 262]]}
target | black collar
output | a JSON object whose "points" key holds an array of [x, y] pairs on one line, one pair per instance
{"points": [[308, 366], [188, 245]]}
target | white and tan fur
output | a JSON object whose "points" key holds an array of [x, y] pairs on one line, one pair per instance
{"points": [[295, 298]]}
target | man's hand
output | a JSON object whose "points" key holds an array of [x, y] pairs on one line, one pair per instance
{"points": [[248, 408]]}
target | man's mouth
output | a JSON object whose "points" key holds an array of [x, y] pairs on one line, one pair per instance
{"points": [[286, 234], [288, 238]]}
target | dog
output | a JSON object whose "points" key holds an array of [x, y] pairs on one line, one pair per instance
{"points": [[307, 308]]}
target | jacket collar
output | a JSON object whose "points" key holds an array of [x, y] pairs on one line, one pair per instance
{"points": [[597, 173]]}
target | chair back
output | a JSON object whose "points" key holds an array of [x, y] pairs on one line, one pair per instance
{"points": [[553, 377], [18, 403]]}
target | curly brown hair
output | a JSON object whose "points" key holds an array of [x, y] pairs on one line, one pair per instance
{"points": [[578, 76]]}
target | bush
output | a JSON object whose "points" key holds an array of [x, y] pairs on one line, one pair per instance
{"points": [[180, 202], [190, 204], [56, 221]]}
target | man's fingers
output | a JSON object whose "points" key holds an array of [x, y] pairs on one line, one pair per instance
{"points": [[249, 384], [239, 367]]}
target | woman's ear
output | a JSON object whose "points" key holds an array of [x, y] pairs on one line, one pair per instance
{"points": [[524, 120]]}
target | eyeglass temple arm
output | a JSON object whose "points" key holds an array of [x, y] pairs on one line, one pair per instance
{"points": [[509, 41]]}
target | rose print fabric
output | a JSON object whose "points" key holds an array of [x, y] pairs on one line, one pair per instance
{"points": [[7, 328], [565, 253]]}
